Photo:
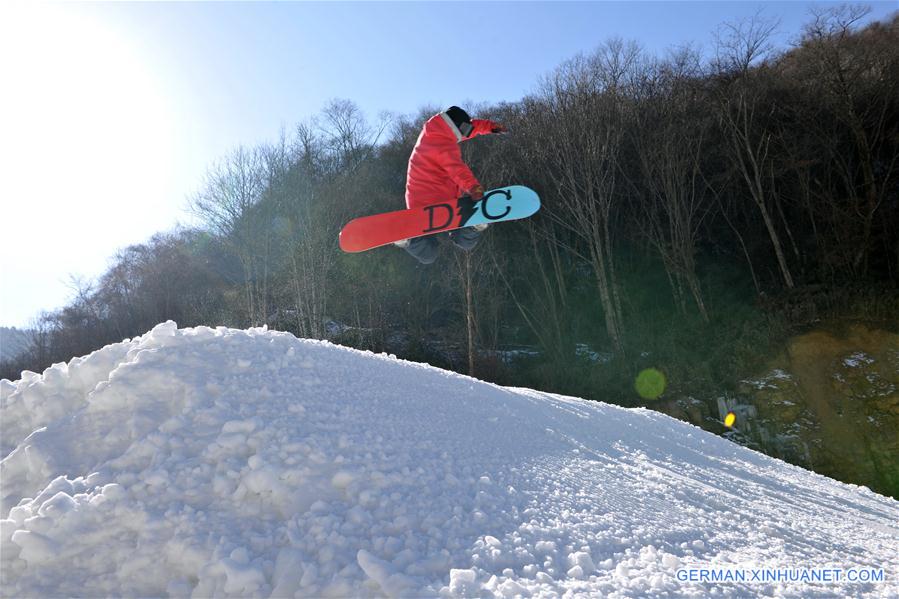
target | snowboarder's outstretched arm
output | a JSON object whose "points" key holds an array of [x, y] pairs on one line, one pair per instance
{"points": [[485, 127]]}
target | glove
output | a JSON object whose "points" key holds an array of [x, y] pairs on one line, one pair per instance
{"points": [[497, 128], [476, 192]]}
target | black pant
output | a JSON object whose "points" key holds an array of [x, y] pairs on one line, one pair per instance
{"points": [[424, 249]]}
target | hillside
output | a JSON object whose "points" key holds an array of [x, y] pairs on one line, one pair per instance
{"points": [[222, 462], [13, 342]]}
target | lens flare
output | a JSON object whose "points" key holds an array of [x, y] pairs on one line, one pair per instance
{"points": [[650, 383]]}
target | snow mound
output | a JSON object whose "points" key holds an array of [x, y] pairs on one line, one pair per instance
{"points": [[219, 462]]}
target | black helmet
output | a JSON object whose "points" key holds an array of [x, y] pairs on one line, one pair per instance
{"points": [[460, 119]]}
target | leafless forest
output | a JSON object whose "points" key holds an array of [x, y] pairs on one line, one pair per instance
{"points": [[697, 207]]}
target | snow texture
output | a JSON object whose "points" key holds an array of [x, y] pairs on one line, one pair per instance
{"points": [[219, 462]]}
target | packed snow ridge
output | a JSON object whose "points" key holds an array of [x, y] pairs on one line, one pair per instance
{"points": [[218, 462]]}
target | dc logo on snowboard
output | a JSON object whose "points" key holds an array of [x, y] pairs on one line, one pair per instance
{"points": [[466, 209]]}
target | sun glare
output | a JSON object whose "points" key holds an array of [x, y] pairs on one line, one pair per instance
{"points": [[87, 139]]}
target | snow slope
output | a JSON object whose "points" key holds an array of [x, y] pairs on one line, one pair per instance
{"points": [[204, 462]]}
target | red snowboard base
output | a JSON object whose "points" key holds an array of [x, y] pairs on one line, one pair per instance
{"points": [[505, 203]]}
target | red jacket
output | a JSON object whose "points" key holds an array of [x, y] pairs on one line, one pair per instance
{"points": [[436, 170]]}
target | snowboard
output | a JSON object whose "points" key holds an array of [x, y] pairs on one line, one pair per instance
{"points": [[497, 205]]}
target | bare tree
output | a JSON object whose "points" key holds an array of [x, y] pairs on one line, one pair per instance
{"points": [[544, 304], [328, 180], [742, 44], [578, 124], [748, 128], [669, 138], [230, 205], [348, 138], [853, 75]]}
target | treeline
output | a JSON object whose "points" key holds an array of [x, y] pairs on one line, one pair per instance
{"points": [[694, 209]]}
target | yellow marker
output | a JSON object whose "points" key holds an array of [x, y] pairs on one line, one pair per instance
{"points": [[730, 419]]}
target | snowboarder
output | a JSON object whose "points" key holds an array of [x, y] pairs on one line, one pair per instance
{"points": [[438, 174]]}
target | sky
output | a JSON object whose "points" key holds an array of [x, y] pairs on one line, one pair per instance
{"points": [[112, 113]]}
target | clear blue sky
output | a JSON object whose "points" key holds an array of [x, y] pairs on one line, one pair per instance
{"points": [[252, 66], [118, 109]]}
